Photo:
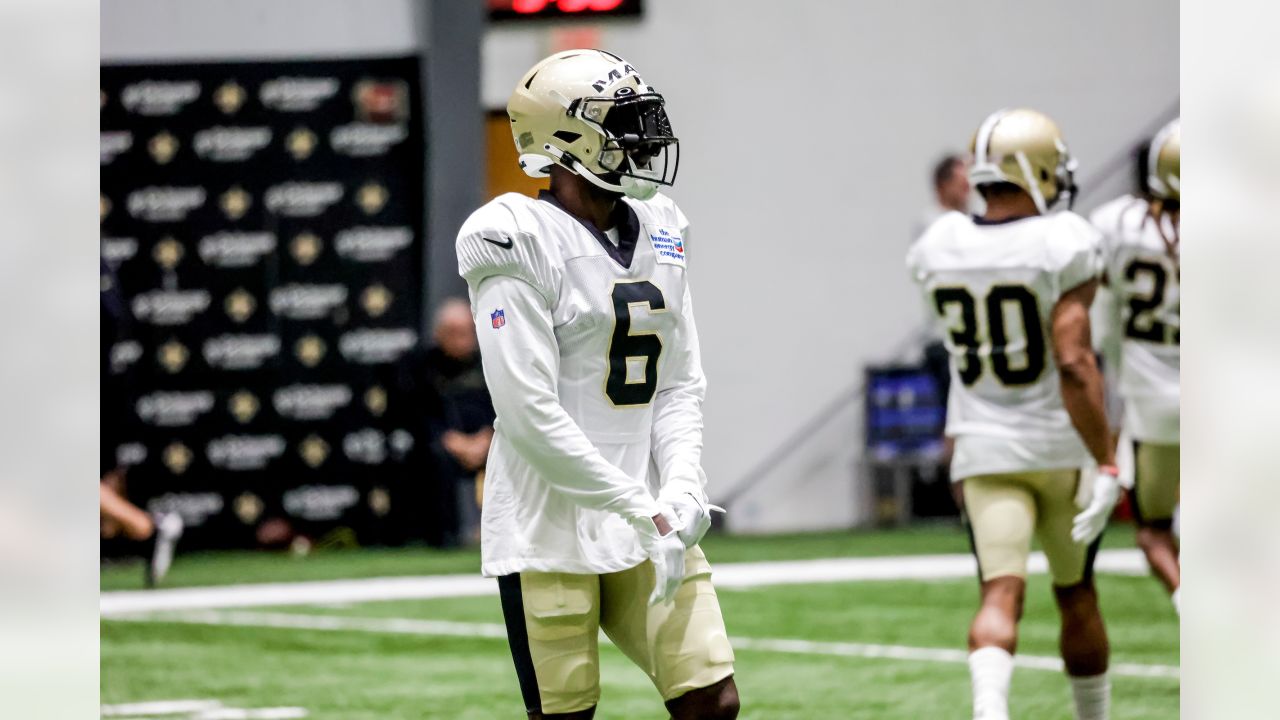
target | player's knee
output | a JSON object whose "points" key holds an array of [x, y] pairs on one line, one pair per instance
{"points": [[1154, 536], [727, 705]]}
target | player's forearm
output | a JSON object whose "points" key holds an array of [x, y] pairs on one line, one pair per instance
{"points": [[1082, 394], [520, 361], [677, 438], [556, 448], [677, 412]]}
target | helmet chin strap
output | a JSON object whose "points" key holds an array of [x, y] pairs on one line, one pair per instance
{"points": [[636, 188]]}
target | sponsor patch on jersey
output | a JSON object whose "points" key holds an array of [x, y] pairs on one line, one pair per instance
{"points": [[498, 318], [668, 246]]}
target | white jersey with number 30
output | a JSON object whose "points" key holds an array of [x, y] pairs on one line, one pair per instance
{"points": [[993, 288], [1144, 276], [591, 356]]}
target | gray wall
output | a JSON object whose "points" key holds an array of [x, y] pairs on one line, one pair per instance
{"points": [[807, 132]]}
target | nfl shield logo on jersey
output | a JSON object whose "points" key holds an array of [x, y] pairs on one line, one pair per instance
{"points": [[498, 317]]}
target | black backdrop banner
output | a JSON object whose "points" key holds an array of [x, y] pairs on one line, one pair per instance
{"points": [[265, 225]]}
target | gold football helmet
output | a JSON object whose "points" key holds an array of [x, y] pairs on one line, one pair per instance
{"points": [[1023, 147], [1164, 162], [590, 112]]}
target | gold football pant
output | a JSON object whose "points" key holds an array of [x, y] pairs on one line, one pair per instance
{"points": [[1156, 482], [554, 621], [1005, 510]]}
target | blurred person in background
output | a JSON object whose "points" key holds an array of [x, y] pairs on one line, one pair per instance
{"points": [[1142, 268], [1012, 290], [950, 191], [595, 499], [444, 388], [154, 536]]}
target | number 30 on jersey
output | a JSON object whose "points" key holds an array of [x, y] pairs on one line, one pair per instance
{"points": [[968, 335]]}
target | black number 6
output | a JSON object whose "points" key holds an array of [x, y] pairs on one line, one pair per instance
{"points": [[626, 344]]}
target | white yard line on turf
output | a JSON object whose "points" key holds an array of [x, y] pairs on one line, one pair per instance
{"points": [[409, 626], [196, 710], [727, 575]]}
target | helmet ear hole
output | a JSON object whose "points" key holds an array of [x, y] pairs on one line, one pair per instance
{"points": [[1044, 175]]}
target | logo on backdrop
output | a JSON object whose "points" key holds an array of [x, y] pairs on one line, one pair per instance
{"points": [[305, 248], [297, 94], [174, 409], [194, 508], [372, 197], [309, 350], [372, 244], [244, 452], [375, 400], [165, 204], [172, 356], [231, 144], [235, 202], [302, 199], [366, 139], [117, 250], [301, 143], [163, 146], [113, 144], [168, 253], [313, 450], [159, 97], [320, 502], [311, 402], [239, 305], [248, 507], [229, 97], [231, 249], [240, 352], [375, 300], [170, 307], [243, 406], [369, 346], [307, 302], [177, 457], [381, 101], [367, 446]]}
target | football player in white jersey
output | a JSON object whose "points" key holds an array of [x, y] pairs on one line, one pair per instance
{"points": [[595, 499], [1142, 269], [1012, 290]]}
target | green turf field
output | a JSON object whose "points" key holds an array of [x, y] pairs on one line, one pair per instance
{"points": [[374, 664]]}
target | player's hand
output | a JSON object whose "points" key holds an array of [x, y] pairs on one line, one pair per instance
{"points": [[666, 552], [1091, 521], [692, 517]]}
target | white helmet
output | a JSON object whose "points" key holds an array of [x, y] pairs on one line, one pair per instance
{"points": [[1024, 147], [1164, 162], [591, 113]]}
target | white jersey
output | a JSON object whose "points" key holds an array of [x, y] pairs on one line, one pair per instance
{"points": [[993, 288], [1144, 277], [591, 357]]}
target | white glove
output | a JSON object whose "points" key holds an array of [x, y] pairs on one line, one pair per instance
{"points": [[666, 552], [690, 517], [1091, 521]]}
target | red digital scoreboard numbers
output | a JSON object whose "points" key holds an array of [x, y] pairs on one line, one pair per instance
{"points": [[562, 9]]}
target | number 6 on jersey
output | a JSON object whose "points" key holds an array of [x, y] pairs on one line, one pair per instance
{"points": [[625, 346]]}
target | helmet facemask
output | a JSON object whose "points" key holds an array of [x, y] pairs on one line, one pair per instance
{"points": [[639, 151]]}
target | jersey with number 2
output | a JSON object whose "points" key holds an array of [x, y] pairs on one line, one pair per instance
{"points": [[992, 288]]}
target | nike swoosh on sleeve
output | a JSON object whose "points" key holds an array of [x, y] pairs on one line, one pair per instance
{"points": [[506, 245]]}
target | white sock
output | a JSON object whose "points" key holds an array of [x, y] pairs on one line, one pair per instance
{"points": [[1177, 600], [1092, 695], [991, 669]]}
